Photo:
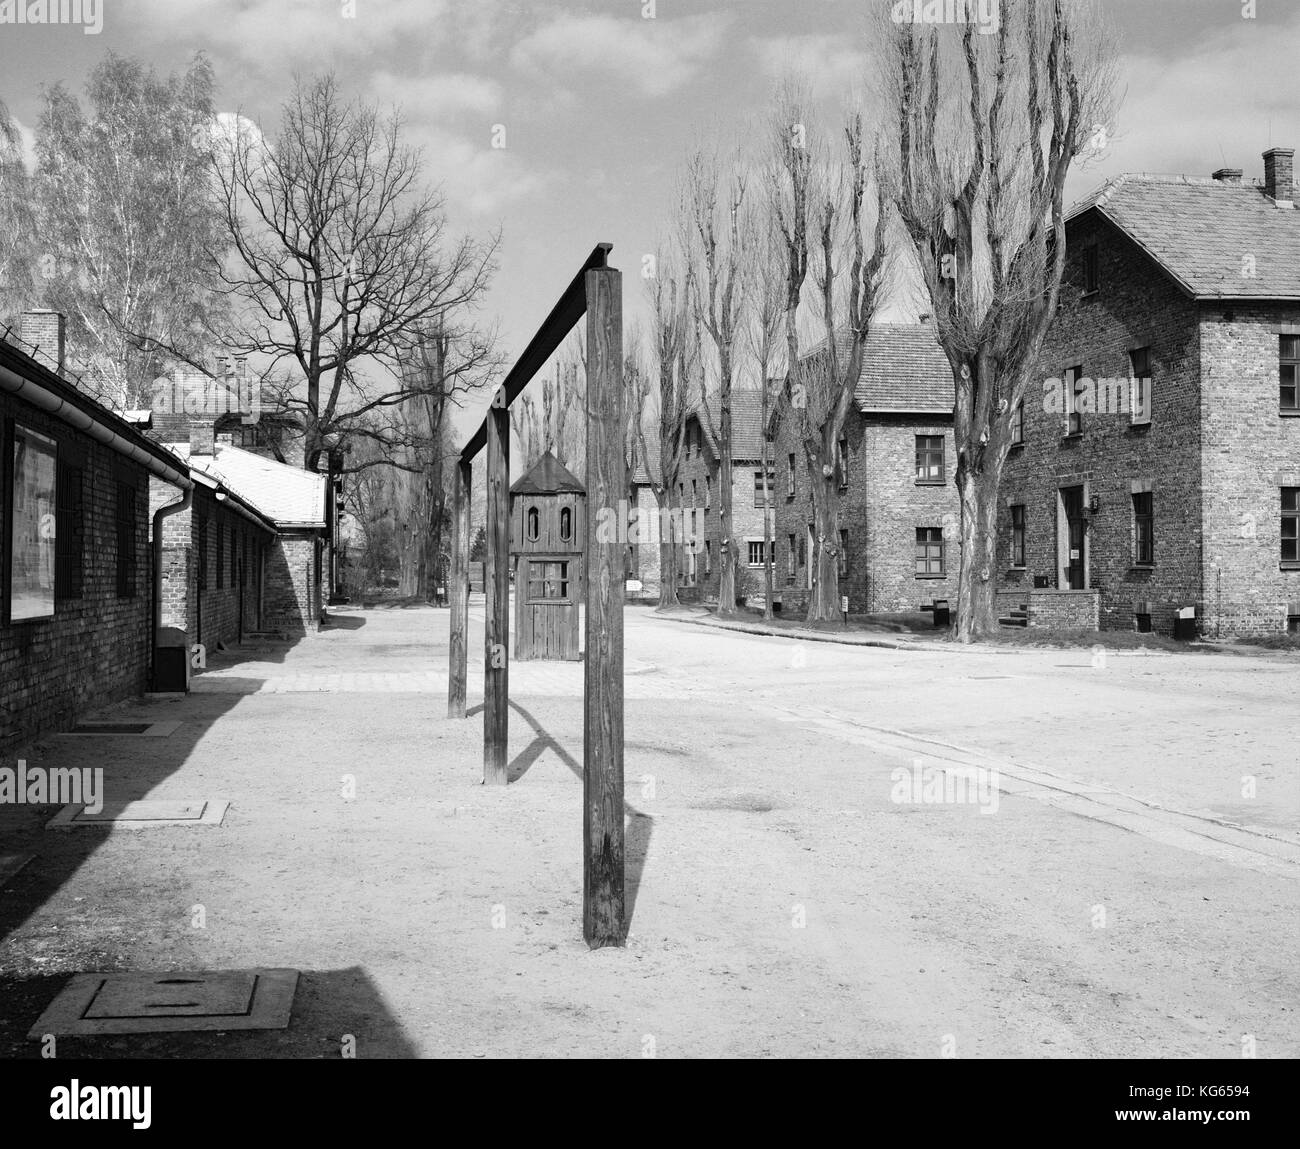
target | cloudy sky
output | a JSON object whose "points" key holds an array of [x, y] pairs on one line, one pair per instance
{"points": [[599, 102]]}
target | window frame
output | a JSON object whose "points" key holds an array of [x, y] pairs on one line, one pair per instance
{"points": [[1144, 529], [1090, 259], [15, 429], [1018, 535], [1017, 424], [1071, 380], [759, 501], [927, 454], [70, 529], [124, 517], [561, 579], [532, 523], [1290, 516], [790, 486], [927, 538], [1293, 362], [842, 461]]}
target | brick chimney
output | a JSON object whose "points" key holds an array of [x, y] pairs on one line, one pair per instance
{"points": [[1227, 175], [42, 332], [1279, 174], [201, 439]]}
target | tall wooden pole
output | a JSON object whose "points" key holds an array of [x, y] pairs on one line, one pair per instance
{"points": [[496, 581], [602, 785], [458, 647]]}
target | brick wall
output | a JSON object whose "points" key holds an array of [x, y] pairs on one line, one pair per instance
{"points": [[1137, 306], [210, 616], [881, 509], [291, 602], [1057, 609], [95, 650], [1248, 453]]}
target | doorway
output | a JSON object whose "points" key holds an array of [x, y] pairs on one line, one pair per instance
{"points": [[1072, 533]]}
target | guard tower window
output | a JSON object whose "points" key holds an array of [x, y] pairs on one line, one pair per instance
{"points": [[548, 582], [566, 523], [533, 528]]}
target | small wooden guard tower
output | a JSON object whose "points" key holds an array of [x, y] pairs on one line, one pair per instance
{"points": [[548, 528]]}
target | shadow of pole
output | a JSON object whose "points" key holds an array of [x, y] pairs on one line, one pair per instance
{"points": [[636, 844]]}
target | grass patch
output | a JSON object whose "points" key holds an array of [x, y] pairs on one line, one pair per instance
{"points": [[1110, 639], [1272, 641]]}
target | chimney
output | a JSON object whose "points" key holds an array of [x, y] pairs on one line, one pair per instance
{"points": [[1279, 172], [1227, 175], [201, 439], [42, 332]]}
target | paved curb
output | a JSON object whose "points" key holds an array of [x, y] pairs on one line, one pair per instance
{"points": [[803, 636]]}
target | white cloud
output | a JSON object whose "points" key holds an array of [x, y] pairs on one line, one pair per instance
{"points": [[832, 65], [439, 96], [653, 56]]}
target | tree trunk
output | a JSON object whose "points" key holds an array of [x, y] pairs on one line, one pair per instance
{"points": [[667, 559], [977, 615], [767, 515], [824, 598], [728, 550]]}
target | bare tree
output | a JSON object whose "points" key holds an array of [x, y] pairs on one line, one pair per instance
{"points": [[674, 360], [825, 208], [342, 257], [16, 224], [984, 131], [559, 424], [714, 207], [762, 336]]}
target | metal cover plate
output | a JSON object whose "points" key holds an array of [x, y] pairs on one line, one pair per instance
{"points": [[142, 815], [174, 995], [112, 1003], [146, 811]]}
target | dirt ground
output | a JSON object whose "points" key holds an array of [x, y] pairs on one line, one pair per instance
{"points": [[1126, 899]]}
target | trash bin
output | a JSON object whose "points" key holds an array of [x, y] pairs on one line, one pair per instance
{"points": [[942, 615], [171, 661], [1185, 623]]}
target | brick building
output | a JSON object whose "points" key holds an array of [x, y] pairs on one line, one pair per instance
{"points": [[1159, 466], [75, 567], [898, 497], [257, 553]]}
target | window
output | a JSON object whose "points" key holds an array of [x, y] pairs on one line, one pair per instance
{"points": [[1018, 534], [234, 557], [1139, 400], [534, 524], [203, 554], [1018, 424], [694, 494], [1291, 526], [929, 458], [125, 540], [69, 544], [708, 491], [1289, 373], [789, 561], [844, 554], [803, 550], [708, 556], [929, 552], [756, 552], [842, 462], [789, 489], [35, 527], [763, 498], [1074, 388], [548, 582], [221, 554], [566, 524], [1091, 270], [1143, 535]]}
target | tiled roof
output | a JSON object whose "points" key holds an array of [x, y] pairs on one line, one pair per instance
{"points": [[1202, 231], [904, 369], [287, 495], [547, 477]]}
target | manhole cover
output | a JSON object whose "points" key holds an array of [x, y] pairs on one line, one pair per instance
{"points": [[171, 1002], [143, 814]]}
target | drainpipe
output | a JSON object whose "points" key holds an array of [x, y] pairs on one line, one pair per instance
{"points": [[160, 514]]}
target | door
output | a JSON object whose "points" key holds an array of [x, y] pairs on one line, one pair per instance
{"points": [[1072, 561]]}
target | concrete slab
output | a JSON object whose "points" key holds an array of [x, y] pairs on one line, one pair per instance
{"points": [[115, 1003], [141, 815], [119, 729]]}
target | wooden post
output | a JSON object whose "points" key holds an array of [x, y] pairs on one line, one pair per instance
{"points": [[602, 778], [496, 582], [458, 652]]}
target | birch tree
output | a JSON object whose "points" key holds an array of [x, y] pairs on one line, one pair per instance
{"points": [[984, 130]]}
